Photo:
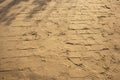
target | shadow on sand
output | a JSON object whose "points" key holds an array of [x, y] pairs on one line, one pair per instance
{"points": [[6, 17]]}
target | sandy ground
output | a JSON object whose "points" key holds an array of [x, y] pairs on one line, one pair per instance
{"points": [[59, 40]]}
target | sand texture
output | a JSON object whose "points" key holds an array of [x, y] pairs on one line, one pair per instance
{"points": [[59, 39]]}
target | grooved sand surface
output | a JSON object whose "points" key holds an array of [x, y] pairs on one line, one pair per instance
{"points": [[59, 40]]}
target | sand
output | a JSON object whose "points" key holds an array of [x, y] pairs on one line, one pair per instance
{"points": [[59, 40]]}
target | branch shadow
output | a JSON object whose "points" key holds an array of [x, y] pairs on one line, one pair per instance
{"points": [[41, 5], [1, 1], [6, 17]]}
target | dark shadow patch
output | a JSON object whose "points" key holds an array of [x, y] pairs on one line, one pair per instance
{"points": [[1, 1], [40, 6], [6, 17], [4, 12]]}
